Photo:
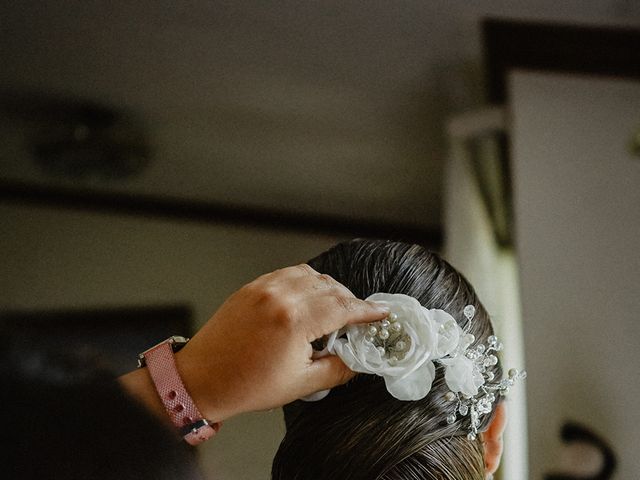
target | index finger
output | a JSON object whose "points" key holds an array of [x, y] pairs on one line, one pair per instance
{"points": [[329, 313], [296, 271]]}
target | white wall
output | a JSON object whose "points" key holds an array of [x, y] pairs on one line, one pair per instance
{"points": [[53, 258], [470, 247], [577, 204]]}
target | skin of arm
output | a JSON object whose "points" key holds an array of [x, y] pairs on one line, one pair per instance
{"points": [[255, 352]]}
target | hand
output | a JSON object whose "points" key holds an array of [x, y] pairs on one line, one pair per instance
{"points": [[255, 352]]}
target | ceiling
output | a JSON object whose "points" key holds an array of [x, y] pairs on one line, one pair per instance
{"points": [[324, 107]]}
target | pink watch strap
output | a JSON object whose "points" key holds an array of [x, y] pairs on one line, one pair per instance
{"points": [[179, 405]]}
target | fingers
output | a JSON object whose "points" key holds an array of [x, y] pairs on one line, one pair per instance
{"points": [[303, 275], [322, 304], [368, 312], [297, 271], [318, 285], [354, 310], [333, 294], [328, 372], [301, 281], [328, 313]]}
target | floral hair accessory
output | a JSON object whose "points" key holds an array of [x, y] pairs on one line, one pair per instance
{"points": [[405, 347]]}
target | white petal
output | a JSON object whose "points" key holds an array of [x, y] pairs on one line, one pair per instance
{"points": [[460, 376], [425, 333], [449, 333], [414, 386], [398, 299], [331, 340], [369, 357], [348, 356]]}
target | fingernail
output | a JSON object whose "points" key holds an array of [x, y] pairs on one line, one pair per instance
{"points": [[380, 308]]}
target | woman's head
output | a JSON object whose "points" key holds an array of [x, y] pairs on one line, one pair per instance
{"points": [[360, 430]]}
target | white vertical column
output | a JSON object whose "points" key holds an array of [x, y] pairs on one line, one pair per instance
{"points": [[471, 247]]}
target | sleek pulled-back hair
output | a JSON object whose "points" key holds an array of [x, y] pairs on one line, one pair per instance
{"points": [[360, 431]]}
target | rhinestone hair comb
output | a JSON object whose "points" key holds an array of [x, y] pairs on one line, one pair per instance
{"points": [[483, 357]]}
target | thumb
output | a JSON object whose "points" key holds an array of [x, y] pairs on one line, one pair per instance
{"points": [[328, 372]]}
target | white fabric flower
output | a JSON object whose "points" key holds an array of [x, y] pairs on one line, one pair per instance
{"points": [[427, 334], [462, 375], [404, 349]]}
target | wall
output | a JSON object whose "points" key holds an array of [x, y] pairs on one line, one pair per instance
{"points": [[470, 246], [577, 225], [326, 107], [55, 259]]}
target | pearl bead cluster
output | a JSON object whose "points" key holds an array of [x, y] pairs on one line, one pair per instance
{"points": [[482, 403], [389, 338]]}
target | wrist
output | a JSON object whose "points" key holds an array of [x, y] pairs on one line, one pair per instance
{"points": [[179, 405], [205, 387]]}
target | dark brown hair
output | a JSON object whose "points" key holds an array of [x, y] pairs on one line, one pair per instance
{"points": [[360, 431]]}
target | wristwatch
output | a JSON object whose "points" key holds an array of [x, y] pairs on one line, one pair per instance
{"points": [[180, 407]]}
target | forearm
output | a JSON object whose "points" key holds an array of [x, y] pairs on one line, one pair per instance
{"points": [[162, 374], [207, 393], [255, 352]]}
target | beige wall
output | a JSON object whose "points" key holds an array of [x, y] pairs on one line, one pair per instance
{"points": [[470, 246], [53, 258], [578, 223]]}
